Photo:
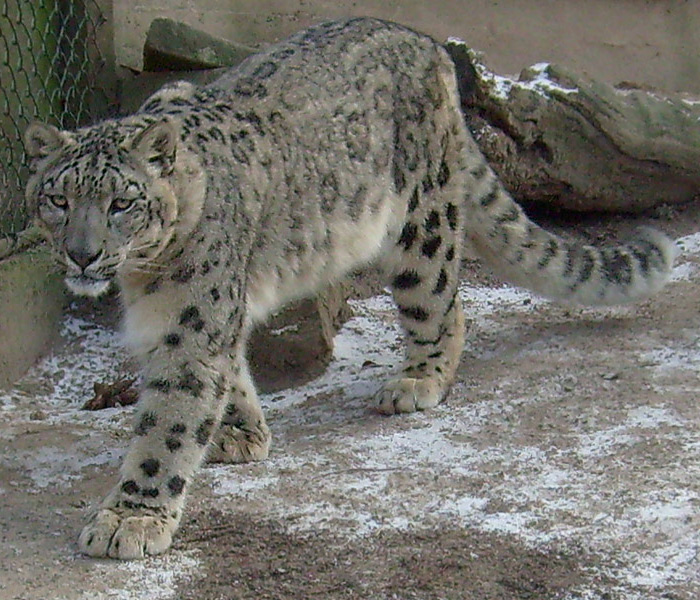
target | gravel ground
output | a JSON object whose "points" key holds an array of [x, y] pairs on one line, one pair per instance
{"points": [[565, 464]]}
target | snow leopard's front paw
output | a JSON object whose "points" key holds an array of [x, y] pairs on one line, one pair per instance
{"points": [[128, 534], [409, 394], [238, 443]]}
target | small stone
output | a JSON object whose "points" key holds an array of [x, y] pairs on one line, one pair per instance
{"points": [[569, 383], [37, 415]]}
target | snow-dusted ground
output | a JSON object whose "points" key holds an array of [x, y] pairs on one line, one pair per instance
{"points": [[567, 428]]}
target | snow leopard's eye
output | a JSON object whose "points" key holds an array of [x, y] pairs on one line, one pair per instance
{"points": [[120, 205], [58, 201]]}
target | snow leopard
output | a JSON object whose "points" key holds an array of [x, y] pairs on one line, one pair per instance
{"points": [[210, 207]]}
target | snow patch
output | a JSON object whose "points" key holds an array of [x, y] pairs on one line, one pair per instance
{"points": [[501, 87], [680, 356], [64, 380], [50, 466], [683, 272], [485, 301], [152, 579], [689, 244]]}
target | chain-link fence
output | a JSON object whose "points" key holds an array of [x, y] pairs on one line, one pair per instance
{"points": [[50, 65]]}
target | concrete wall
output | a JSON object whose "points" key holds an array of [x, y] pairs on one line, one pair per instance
{"points": [[646, 42]]}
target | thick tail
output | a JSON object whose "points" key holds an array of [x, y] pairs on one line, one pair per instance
{"points": [[528, 256]]}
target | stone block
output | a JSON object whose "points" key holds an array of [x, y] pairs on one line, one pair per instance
{"points": [[174, 46], [32, 298]]}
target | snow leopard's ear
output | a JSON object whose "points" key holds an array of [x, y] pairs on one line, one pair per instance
{"points": [[41, 140], [156, 146]]}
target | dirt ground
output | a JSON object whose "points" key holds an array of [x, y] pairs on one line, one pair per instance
{"points": [[565, 463]]}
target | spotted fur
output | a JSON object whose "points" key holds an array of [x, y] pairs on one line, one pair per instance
{"points": [[211, 207]]}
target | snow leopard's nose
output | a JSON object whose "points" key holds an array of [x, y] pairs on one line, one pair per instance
{"points": [[82, 257], [84, 236]]}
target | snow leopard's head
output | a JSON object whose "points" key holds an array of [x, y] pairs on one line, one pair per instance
{"points": [[110, 196]]}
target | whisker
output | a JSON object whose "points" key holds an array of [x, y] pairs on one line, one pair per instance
{"points": [[145, 266]]}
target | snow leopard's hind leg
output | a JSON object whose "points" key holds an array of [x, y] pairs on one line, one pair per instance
{"points": [[424, 274]]}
